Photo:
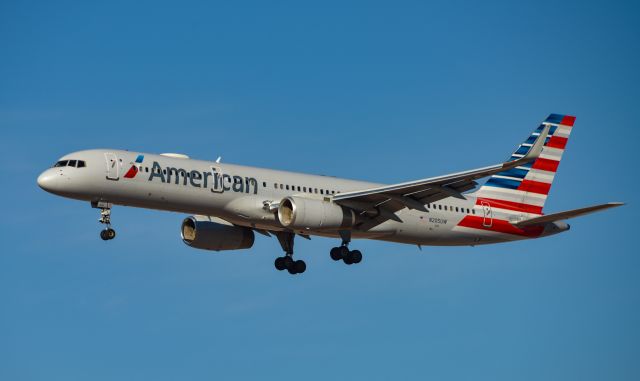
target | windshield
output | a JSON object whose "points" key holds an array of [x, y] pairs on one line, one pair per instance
{"points": [[70, 163]]}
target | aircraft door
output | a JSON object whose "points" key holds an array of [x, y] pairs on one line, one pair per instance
{"points": [[217, 186], [487, 219], [113, 172]]}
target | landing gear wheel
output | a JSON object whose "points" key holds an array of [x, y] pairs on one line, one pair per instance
{"points": [[344, 251], [288, 262], [348, 259], [356, 256], [279, 263], [336, 254], [105, 218], [299, 266]]}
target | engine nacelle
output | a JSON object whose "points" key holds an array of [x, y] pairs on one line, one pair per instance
{"points": [[304, 213], [212, 233]]}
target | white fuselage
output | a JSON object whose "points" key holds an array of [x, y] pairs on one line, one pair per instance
{"points": [[242, 195]]}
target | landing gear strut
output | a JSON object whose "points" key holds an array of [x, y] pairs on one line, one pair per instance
{"points": [[105, 218], [287, 262], [343, 253]]}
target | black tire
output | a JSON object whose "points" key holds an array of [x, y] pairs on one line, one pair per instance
{"points": [[279, 263], [348, 259], [336, 254], [300, 266], [111, 234], [288, 262], [356, 256], [103, 235], [292, 270]]}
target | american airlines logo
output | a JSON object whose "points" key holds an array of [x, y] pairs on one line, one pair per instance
{"points": [[197, 179], [133, 171]]}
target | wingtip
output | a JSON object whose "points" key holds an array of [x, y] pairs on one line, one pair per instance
{"points": [[536, 148]]}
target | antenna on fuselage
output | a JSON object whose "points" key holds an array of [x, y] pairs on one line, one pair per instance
{"points": [[218, 159]]}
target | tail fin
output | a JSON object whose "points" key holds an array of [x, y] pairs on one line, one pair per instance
{"points": [[524, 189]]}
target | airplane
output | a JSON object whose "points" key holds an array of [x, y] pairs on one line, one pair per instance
{"points": [[229, 203]]}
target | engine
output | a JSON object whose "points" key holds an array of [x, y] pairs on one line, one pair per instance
{"points": [[211, 233], [303, 213]]}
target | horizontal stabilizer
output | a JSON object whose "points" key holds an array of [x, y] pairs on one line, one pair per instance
{"points": [[566, 214]]}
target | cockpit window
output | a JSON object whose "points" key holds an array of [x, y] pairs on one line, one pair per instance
{"points": [[70, 163]]}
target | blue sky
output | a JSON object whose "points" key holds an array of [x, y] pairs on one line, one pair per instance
{"points": [[367, 90]]}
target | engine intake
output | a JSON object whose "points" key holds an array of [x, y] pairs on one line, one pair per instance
{"points": [[212, 233], [304, 213]]}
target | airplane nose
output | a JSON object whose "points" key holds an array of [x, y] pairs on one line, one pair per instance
{"points": [[48, 180]]}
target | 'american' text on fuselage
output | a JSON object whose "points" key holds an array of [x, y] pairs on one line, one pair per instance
{"points": [[199, 179]]}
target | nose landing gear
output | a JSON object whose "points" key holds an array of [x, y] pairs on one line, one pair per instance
{"points": [[105, 218]]}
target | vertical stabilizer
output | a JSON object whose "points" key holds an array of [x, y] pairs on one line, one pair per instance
{"points": [[524, 189]]}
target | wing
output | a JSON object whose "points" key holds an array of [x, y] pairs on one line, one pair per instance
{"points": [[384, 201], [566, 214]]}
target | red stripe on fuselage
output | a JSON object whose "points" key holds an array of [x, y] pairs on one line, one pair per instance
{"points": [[545, 164], [500, 226], [510, 205], [534, 186]]}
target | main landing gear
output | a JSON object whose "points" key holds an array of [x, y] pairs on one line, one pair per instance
{"points": [[105, 218], [287, 262], [343, 253]]}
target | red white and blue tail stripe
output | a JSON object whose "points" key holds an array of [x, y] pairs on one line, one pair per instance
{"points": [[524, 189]]}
